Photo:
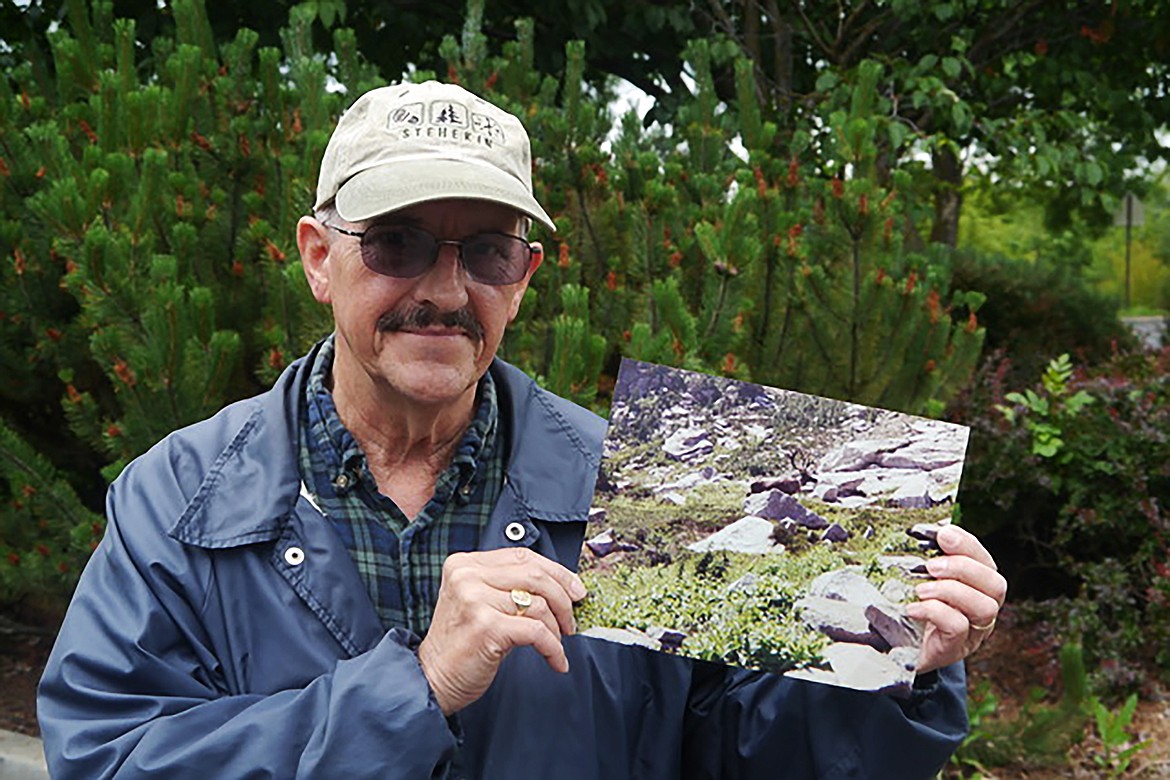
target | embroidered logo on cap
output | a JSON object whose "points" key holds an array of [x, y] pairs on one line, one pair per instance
{"points": [[444, 112], [407, 115], [482, 123], [445, 119]]}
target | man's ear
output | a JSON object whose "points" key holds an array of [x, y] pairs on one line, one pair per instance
{"points": [[537, 259], [522, 285], [313, 244]]}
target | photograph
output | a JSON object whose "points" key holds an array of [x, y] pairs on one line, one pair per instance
{"points": [[765, 528]]}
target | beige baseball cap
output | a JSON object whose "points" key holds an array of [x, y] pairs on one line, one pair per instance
{"points": [[405, 144]]}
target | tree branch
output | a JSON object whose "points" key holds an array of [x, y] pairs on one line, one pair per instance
{"points": [[862, 37], [811, 28], [720, 15], [781, 56], [9, 627], [751, 30], [1009, 23], [850, 20]]}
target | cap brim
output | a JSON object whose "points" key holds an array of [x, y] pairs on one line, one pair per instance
{"points": [[404, 183]]}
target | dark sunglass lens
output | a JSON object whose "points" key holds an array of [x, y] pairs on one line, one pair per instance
{"points": [[494, 258], [403, 252]]}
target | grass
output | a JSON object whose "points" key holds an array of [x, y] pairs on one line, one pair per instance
{"points": [[1143, 311]]}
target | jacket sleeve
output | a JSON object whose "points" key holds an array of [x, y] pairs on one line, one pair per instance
{"points": [[744, 724], [132, 689]]}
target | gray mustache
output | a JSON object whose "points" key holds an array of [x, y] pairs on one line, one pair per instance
{"points": [[428, 316]]}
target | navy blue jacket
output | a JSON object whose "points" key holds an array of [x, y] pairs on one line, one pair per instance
{"points": [[197, 646]]}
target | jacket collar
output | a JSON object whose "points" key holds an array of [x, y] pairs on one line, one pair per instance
{"points": [[548, 438], [253, 485]]}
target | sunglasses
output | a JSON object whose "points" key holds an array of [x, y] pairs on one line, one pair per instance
{"points": [[404, 252]]}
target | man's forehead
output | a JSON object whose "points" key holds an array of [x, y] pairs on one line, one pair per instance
{"points": [[454, 210]]}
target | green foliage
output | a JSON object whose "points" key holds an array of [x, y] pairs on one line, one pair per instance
{"points": [[577, 351], [657, 581], [754, 629], [1108, 427], [147, 208], [1080, 255], [1038, 309], [1039, 735], [1117, 749], [46, 530], [786, 269], [150, 194], [1047, 410], [1050, 98], [982, 705], [1148, 256], [1066, 482]]}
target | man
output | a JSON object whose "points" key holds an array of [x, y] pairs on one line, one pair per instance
{"points": [[366, 571]]}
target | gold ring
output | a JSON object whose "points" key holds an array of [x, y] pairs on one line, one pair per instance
{"points": [[987, 627], [522, 599]]}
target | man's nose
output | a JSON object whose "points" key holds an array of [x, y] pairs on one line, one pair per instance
{"points": [[445, 283]]}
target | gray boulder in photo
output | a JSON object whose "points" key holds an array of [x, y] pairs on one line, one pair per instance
{"points": [[747, 535]]}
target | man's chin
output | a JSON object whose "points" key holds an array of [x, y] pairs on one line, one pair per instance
{"points": [[437, 389], [436, 375]]}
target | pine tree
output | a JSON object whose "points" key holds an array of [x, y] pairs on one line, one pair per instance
{"points": [[787, 268], [149, 201], [577, 351], [45, 526]]}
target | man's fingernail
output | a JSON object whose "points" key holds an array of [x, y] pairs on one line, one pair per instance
{"points": [[577, 589]]}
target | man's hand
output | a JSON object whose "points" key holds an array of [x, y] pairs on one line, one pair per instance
{"points": [[961, 604], [476, 622]]}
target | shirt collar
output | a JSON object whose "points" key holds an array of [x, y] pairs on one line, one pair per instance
{"points": [[341, 452]]}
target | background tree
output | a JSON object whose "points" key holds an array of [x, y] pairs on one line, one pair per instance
{"points": [[1059, 99], [147, 219]]}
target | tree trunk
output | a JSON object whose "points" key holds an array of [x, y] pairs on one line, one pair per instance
{"points": [[781, 58], [948, 196], [751, 30]]}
